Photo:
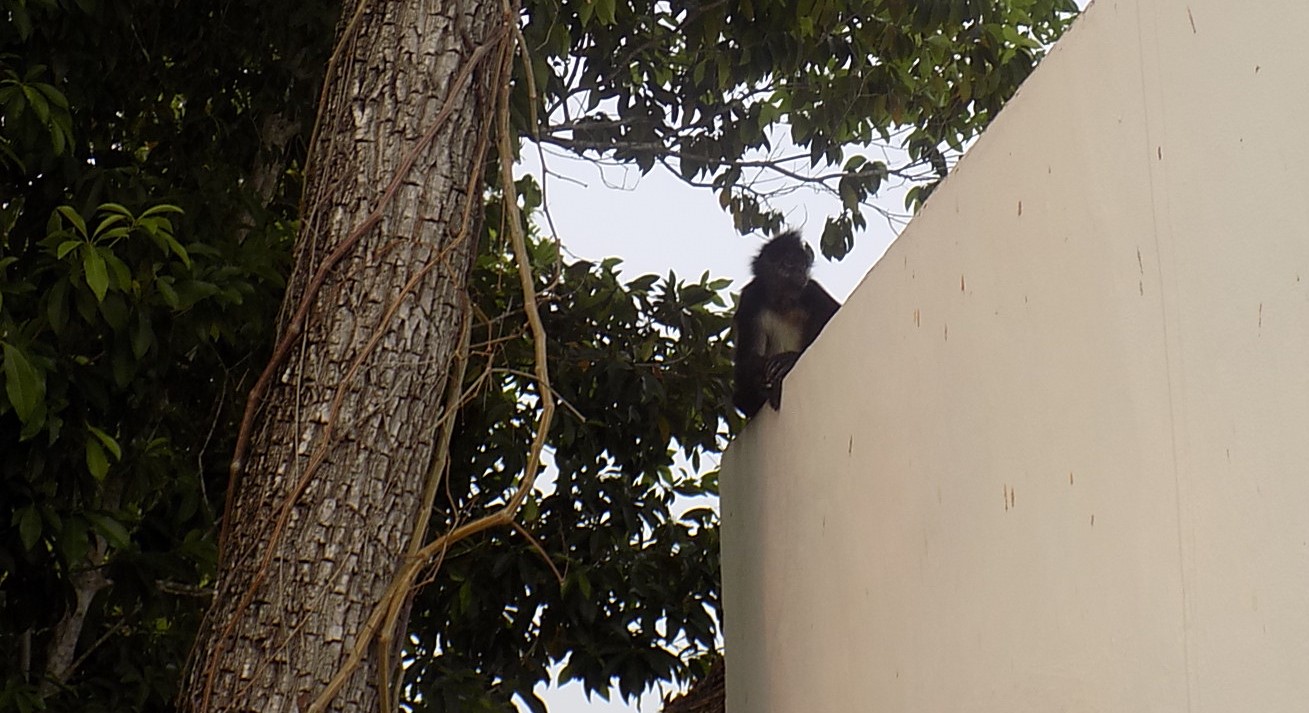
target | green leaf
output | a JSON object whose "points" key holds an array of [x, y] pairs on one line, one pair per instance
{"points": [[465, 597], [54, 95], [176, 247], [115, 233], [56, 306], [97, 275], [115, 208], [29, 527], [96, 462], [72, 216], [119, 272], [108, 441], [165, 287], [143, 337], [66, 247], [21, 19], [24, 384], [111, 529], [122, 364], [108, 223], [115, 311], [60, 136], [72, 540], [849, 194], [38, 103], [161, 209]]}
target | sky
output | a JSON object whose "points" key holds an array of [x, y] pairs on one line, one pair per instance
{"points": [[656, 223]]}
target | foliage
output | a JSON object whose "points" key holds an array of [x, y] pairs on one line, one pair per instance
{"points": [[147, 154], [106, 486], [150, 161], [643, 370], [700, 87], [115, 339]]}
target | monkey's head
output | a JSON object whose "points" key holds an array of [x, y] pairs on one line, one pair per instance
{"points": [[783, 263]]}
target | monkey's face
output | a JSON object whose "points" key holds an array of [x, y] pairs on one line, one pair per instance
{"points": [[783, 267], [786, 268], [793, 269]]}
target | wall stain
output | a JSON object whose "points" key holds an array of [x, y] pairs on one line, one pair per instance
{"points": [[1140, 265]]}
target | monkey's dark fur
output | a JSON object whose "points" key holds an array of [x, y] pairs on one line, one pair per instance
{"points": [[782, 310]]}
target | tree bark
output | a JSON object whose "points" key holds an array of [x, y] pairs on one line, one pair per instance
{"points": [[341, 433]]}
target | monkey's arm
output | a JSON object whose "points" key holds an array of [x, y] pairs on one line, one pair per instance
{"points": [[776, 369], [749, 394], [777, 366], [819, 306]]}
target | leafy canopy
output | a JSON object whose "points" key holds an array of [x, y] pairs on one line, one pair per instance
{"points": [[704, 88], [150, 161]]}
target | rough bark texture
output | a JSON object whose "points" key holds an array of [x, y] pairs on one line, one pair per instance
{"points": [[330, 489]]}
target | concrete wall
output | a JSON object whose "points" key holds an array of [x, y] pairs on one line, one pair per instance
{"points": [[1053, 455]]}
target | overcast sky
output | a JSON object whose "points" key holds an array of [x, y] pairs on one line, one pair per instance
{"points": [[656, 223]]}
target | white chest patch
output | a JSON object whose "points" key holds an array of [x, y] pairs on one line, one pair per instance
{"points": [[779, 333]]}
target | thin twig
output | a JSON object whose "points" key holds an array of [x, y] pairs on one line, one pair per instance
{"points": [[519, 241], [539, 550], [118, 626], [558, 397], [535, 123]]}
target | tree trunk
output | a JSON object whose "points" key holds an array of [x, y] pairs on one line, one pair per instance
{"points": [[342, 434]]}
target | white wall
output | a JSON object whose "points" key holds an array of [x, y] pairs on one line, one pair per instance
{"points": [[1053, 454]]}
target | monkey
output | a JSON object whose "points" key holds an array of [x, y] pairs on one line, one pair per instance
{"points": [[781, 312]]}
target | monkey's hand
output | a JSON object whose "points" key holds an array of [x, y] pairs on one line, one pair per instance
{"points": [[778, 366], [776, 369]]}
